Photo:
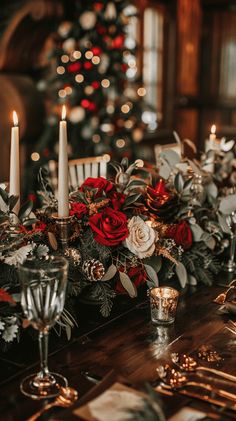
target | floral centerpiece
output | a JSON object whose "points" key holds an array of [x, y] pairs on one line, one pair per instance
{"points": [[127, 231]]}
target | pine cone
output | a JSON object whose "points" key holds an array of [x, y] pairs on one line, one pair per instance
{"points": [[93, 269]]}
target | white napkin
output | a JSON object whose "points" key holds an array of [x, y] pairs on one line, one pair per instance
{"points": [[114, 405], [187, 414]]}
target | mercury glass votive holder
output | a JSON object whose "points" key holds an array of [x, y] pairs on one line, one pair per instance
{"points": [[163, 303]]}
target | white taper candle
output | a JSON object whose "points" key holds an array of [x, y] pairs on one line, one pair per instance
{"points": [[63, 182], [14, 182]]}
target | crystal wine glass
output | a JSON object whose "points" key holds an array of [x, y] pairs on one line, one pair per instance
{"points": [[42, 299]]}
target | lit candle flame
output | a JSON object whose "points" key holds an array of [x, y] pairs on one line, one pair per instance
{"points": [[213, 129], [15, 118], [63, 112]]}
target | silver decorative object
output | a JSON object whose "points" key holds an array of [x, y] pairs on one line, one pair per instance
{"points": [[64, 228], [231, 222]]}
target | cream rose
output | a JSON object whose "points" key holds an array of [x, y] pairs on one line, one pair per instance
{"points": [[141, 239]]}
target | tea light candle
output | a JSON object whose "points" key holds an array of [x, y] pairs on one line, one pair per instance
{"points": [[63, 185]]}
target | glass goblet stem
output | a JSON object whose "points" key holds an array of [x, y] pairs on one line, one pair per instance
{"points": [[43, 352]]}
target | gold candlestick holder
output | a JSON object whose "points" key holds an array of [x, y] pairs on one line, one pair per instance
{"points": [[64, 229]]}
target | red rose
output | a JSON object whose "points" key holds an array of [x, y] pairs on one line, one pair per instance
{"points": [[78, 209], [117, 199], [181, 233], [99, 183], [137, 275], [109, 227]]}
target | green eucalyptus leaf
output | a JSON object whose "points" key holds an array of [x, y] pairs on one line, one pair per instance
{"points": [[12, 202], [25, 210], [132, 199], [135, 183], [223, 224], [188, 184], [179, 183], [228, 204], [155, 262], [197, 232], [182, 274], [171, 157], [4, 195], [152, 275], [128, 285], [192, 280], [110, 273], [29, 222], [211, 190], [164, 169], [125, 163], [194, 167]]}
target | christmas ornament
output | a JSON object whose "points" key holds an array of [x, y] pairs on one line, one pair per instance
{"points": [[112, 29], [94, 122], [98, 6], [88, 65], [110, 12], [74, 67], [104, 63], [96, 51], [76, 114], [85, 103], [87, 132], [41, 85], [69, 45], [95, 84], [73, 255], [87, 20], [137, 134], [64, 29], [93, 269], [118, 42], [164, 205]]}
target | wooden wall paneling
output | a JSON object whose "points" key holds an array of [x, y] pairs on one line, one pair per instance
{"points": [[189, 18], [227, 85], [27, 30], [187, 125], [19, 94]]}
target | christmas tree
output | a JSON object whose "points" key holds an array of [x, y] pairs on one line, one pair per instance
{"points": [[93, 71]]}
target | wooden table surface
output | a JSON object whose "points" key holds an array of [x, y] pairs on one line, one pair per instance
{"points": [[131, 346]]}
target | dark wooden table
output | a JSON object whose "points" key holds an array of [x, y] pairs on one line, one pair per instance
{"points": [[128, 344]]}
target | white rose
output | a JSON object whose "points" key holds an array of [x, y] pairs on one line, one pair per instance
{"points": [[142, 238]]}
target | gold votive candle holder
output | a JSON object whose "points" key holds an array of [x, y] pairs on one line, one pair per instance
{"points": [[163, 303]]}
